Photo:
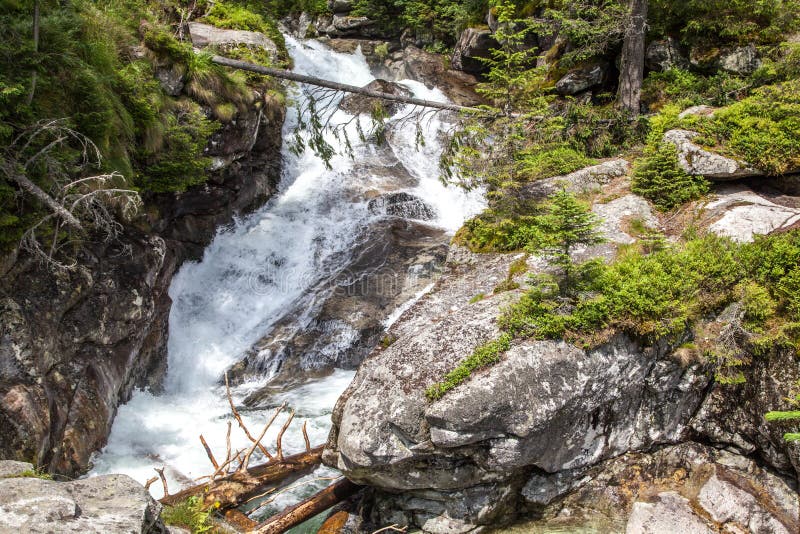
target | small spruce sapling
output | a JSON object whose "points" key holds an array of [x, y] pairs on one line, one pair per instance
{"points": [[568, 224]]}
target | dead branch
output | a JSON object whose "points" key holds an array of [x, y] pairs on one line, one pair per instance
{"points": [[308, 508], [275, 492], [305, 437], [208, 452], [246, 461], [163, 480], [393, 528], [149, 483], [238, 418], [240, 521], [279, 441]]}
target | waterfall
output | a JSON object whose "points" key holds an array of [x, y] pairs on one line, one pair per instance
{"points": [[251, 274]]}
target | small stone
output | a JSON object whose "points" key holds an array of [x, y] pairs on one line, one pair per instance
{"points": [[580, 80]]}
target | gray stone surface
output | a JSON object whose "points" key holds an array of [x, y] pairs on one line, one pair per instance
{"points": [[473, 45], [583, 181], [204, 35], [11, 468], [112, 504], [669, 513], [743, 60], [580, 80], [356, 104], [616, 215], [664, 55], [740, 213], [698, 161]]}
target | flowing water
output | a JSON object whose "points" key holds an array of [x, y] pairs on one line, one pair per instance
{"points": [[250, 275]]}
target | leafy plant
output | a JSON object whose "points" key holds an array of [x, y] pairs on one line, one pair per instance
{"points": [[189, 514], [658, 177]]}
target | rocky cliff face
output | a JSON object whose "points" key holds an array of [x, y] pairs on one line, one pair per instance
{"points": [[75, 344], [552, 422]]}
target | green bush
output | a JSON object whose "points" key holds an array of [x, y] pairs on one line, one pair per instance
{"points": [[763, 129], [188, 514], [658, 177], [556, 161]]}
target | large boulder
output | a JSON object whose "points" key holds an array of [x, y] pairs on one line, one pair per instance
{"points": [[356, 104], [203, 35], [416, 64], [473, 45], [111, 504], [742, 61], [545, 407], [581, 79], [340, 6], [664, 55], [699, 161], [581, 182]]}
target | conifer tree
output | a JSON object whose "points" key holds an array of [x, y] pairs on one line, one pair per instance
{"points": [[568, 224]]}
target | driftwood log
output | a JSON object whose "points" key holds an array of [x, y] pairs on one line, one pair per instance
{"points": [[320, 82], [307, 509], [232, 490]]}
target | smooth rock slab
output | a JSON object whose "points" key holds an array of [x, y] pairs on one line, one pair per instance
{"points": [[11, 468], [112, 504], [741, 214], [670, 513], [203, 35]]}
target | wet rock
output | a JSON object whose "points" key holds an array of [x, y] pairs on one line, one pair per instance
{"points": [[664, 55], [740, 213], [417, 64], [698, 161], [401, 205], [682, 488], [11, 468], [203, 35], [473, 45], [112, 504], [669, 513], [580, 80], [342, 319], [356, 104], [742, 61]]}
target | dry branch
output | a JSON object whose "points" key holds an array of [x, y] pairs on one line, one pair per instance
{"points": [[238, 418], [307, 509], [313, 80], [209, 453]]}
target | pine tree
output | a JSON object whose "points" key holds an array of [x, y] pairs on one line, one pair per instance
{"points": [[569, 224]]}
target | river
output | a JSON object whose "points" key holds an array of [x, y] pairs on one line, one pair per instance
{"points": [[250, 275]]}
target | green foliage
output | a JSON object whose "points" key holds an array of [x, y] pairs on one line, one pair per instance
{"points": [[763, 129], [35, 473], [492, 232], [246, 15], [788, 416], [477, 298], [567, 224], [487, 354], [592, 27], [658, 177], [281, 8], [718, 22], [178, 163], [557, 161], [188, 514]]}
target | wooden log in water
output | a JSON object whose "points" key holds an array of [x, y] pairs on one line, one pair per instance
{"points": [[301, 512], [232, 490]]}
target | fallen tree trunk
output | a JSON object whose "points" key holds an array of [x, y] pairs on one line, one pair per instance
{"points": [[307, 509], [232, 490], [319, 82]]}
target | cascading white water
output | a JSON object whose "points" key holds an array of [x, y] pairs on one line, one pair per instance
{"points": [[249, 277]]}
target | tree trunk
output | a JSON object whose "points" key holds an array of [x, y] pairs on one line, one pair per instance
{"points": [[34, 74], [307, 509], [293, 76], [632, 64]]}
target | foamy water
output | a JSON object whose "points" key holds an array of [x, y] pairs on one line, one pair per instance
{"points": [[250, 275]]}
